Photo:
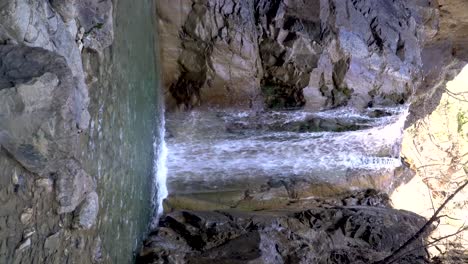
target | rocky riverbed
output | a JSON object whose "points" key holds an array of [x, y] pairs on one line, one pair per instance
{"points": [[361, 228]]}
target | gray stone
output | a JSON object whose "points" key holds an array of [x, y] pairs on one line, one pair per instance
{"points": [[52, 243], [35, 24], [43, 108], [73, 186], [85, 216], [66, 8], [26, 216], [38, 104], [45, 183], [96, 19], [23, 245], [355, 234]]}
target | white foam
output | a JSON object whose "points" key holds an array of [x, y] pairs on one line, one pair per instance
{"points": [[202, 149], [160, 169]]}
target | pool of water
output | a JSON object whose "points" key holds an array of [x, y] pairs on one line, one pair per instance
{"points": [[124, 132]]}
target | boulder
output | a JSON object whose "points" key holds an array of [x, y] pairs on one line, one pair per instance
{"points": [[40, 110]]}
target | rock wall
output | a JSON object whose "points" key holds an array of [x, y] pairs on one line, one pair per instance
{"points": [[287, 54], [56, 71], [328, 232]]}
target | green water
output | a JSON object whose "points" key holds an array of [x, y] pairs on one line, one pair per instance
{"points": [[125, 120]]}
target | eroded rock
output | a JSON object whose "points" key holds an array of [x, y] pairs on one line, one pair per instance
{"points": [[317, 54], [357, 234], [39, 106]]}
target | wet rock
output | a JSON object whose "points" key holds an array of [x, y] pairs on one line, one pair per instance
{"points": [[86, 214], [276, 122], [354, 234]]}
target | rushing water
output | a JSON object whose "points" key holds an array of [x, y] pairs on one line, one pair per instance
{"points": [[218, 150], [160, 170]]}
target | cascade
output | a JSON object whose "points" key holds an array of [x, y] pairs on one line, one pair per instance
{"points": [[226, 151], [160, 191]]}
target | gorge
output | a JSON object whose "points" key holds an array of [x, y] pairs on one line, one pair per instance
{"points": [[231, 131]]}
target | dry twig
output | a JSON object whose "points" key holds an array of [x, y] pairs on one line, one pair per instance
{"points": [[395, 255]]}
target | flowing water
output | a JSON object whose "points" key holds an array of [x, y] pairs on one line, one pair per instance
{"points": [[160, 191], [125, 132], [221, 150]]}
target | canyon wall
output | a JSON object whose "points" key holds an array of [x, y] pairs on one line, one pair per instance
{"points": [[289, 54], [78, 115]]}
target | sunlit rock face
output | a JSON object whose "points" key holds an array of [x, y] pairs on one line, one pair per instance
{"points": [[77, 125], [434, 142], [436, 148]]}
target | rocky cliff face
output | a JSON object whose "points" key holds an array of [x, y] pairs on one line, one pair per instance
{"points": [[55, 72], [283, 54]]}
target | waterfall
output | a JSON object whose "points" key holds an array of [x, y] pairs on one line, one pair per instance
{"points": [[222, 150], [160, 149], [160, 170]]}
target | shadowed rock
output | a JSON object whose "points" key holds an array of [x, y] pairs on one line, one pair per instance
{"points": [[324, 233]]}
